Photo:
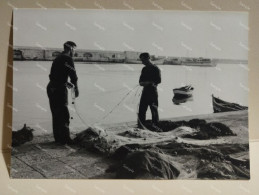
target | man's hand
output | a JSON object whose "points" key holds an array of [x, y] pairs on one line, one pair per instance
{"points": [[76, 92], [69, 85]]}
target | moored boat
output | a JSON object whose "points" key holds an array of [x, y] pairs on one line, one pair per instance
{"points": [[186, 90], [204, 62], [224, 106]]}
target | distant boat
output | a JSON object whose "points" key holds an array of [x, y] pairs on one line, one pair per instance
{"points": [[203, 62], [173, 61], [186, 90], [223, 106], [198, 62]]}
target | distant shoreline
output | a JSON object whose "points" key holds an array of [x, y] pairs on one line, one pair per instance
{"points": [[114, 57], [231, 62]]}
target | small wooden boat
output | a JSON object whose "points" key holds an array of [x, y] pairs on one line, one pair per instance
{"points": [[223, 106], [186, 90]]}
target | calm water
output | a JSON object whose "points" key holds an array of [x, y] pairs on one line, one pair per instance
{"points": [[103, 86]]}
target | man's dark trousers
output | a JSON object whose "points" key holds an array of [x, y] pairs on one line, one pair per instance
{"points": [[149, 98], [58, 100]]}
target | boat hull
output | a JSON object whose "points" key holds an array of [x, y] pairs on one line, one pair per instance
{"points": [[186, 90], [181, 92], [223, 106]]}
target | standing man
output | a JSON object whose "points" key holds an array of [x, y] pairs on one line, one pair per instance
{"points": [[150, 77], [62, 68]]}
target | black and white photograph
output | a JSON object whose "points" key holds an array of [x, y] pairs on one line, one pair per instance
{"points": [[139, 94]]}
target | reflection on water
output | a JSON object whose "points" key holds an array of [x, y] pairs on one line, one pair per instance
{"points": [[180, 99], [103, 86]]}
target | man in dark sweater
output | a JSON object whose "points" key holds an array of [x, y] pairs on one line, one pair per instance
{"points": [[62, 68], [150, 77]]}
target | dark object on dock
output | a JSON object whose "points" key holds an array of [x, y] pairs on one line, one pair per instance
{"points": [[204, 131], [223, 106], [211, 130], [22, 136]]}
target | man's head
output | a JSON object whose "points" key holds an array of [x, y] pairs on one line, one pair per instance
{"points": [[145, 58], [69, 47]]}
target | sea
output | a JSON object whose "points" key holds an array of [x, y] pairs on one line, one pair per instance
{"points": [[109, 93]]}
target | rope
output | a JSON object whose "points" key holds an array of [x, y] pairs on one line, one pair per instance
{"points": [[115, 90], [104, 117], [79, 116], [117, 104], [126, 95], [135, 96]]}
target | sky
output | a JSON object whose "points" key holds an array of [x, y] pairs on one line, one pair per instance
{"points": [[165, 33]]}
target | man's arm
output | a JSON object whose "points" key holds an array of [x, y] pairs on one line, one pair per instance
{"points": [[158, 77], [142, 81], [72, 72], [72, 75]]}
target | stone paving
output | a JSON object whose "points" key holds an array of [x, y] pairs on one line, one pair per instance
{"points": [[43, 158]]}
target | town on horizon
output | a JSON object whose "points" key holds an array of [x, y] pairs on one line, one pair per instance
{"points": [[106, 56]]}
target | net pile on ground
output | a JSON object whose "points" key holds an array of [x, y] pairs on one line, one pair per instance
{"points": [[185, 150]]}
